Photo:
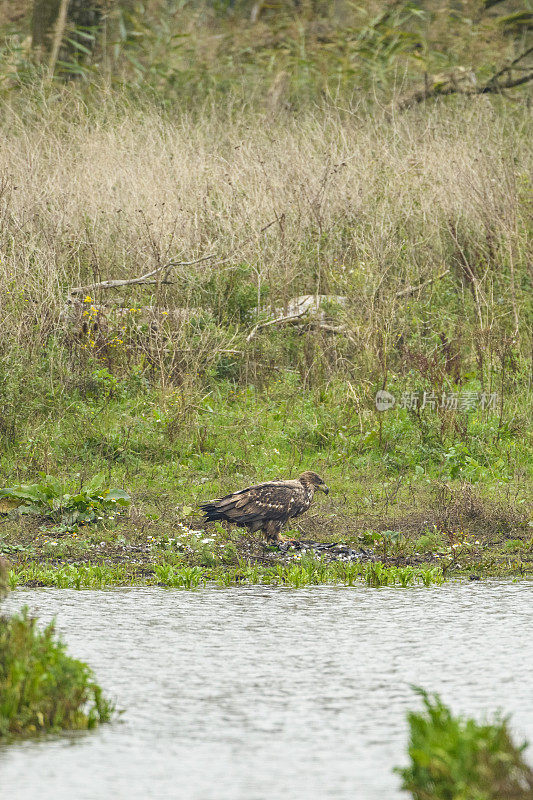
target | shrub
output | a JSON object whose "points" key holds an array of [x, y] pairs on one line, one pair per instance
{"points": [[459, 759], [431, 540], [42, 688], [49, 500]]}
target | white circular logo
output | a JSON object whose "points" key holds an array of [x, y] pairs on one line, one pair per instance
{"points": [[384, 400]]}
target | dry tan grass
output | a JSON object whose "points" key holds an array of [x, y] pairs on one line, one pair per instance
{"points": [[365, 205]]}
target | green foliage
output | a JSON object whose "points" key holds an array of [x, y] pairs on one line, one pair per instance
{"points": [[163, 47], [164, 390], [184, 578], [384, 37], [461, 464], [41, 687], [302, 571], [234, 294], [74, 576], [432, 540], [48, 499], [459, 759]]}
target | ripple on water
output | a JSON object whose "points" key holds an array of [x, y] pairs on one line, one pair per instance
{"points": [[257, 692]]}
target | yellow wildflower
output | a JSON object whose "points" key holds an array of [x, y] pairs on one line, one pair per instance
{"points": [[88, 299]]}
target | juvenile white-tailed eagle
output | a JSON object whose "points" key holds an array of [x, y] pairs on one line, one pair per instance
{"points": [[267, 506]]}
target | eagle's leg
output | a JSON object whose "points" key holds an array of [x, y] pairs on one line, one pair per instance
{"points": [[272, 531]]}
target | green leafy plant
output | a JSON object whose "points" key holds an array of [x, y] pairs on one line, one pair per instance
{"points": [[184, 578], [49, 500], [432, 540], [460, 759], [41, 687], [431, 575]]}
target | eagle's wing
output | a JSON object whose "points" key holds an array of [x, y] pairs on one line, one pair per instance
{"points": [[276, 500]]}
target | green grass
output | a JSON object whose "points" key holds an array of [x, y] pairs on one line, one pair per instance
{"points": [[452, 758], [42, 689], [395, 495]]}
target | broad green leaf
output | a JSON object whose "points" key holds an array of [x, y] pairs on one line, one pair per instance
{"points": [[95, 484], [120, 496]]}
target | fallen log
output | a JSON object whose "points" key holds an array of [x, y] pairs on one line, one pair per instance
{"points": [[304, 308]]}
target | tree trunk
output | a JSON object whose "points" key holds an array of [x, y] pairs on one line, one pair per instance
{"points": [[45, 13], [47, 27]]}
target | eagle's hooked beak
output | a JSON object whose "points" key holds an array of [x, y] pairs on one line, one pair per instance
{"points": [[323, 488]]}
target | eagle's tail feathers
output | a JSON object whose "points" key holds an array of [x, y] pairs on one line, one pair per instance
{"points": [[211, 512]]}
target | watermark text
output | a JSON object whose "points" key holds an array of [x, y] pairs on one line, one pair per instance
{"points": [[444, 401]]}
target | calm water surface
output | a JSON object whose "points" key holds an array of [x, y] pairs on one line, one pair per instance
{"points": [[256, 693]]}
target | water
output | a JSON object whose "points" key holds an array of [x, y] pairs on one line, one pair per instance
{"points": [[256, 693]]}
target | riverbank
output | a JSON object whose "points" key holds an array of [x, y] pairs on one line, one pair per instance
{"points": [[457, 533]]}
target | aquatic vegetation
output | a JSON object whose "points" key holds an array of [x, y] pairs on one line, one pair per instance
{"points": [[182, 578], [227, 578], [41, 687], [430, 575], [308, 571], [405, 576], [316, 571], [460, 759], [377, 574], [72, 576]]}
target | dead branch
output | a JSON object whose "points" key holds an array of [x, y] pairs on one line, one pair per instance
{"points": [[511, 65], [454, 86], [164, 269], [305, 310], [308, 310], [412, 289], [278, 321], [298, 319]]}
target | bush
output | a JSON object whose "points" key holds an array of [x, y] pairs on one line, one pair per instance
{"points": [[458, 759], [42, 688], [49, 501]]}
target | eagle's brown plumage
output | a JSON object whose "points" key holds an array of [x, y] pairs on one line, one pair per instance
{"points": [[267, 506]]}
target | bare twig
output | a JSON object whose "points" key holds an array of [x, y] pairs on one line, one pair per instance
{"points": [[510, 84], [307, 312], [511, 65], [299, 319], [412, 289]]}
